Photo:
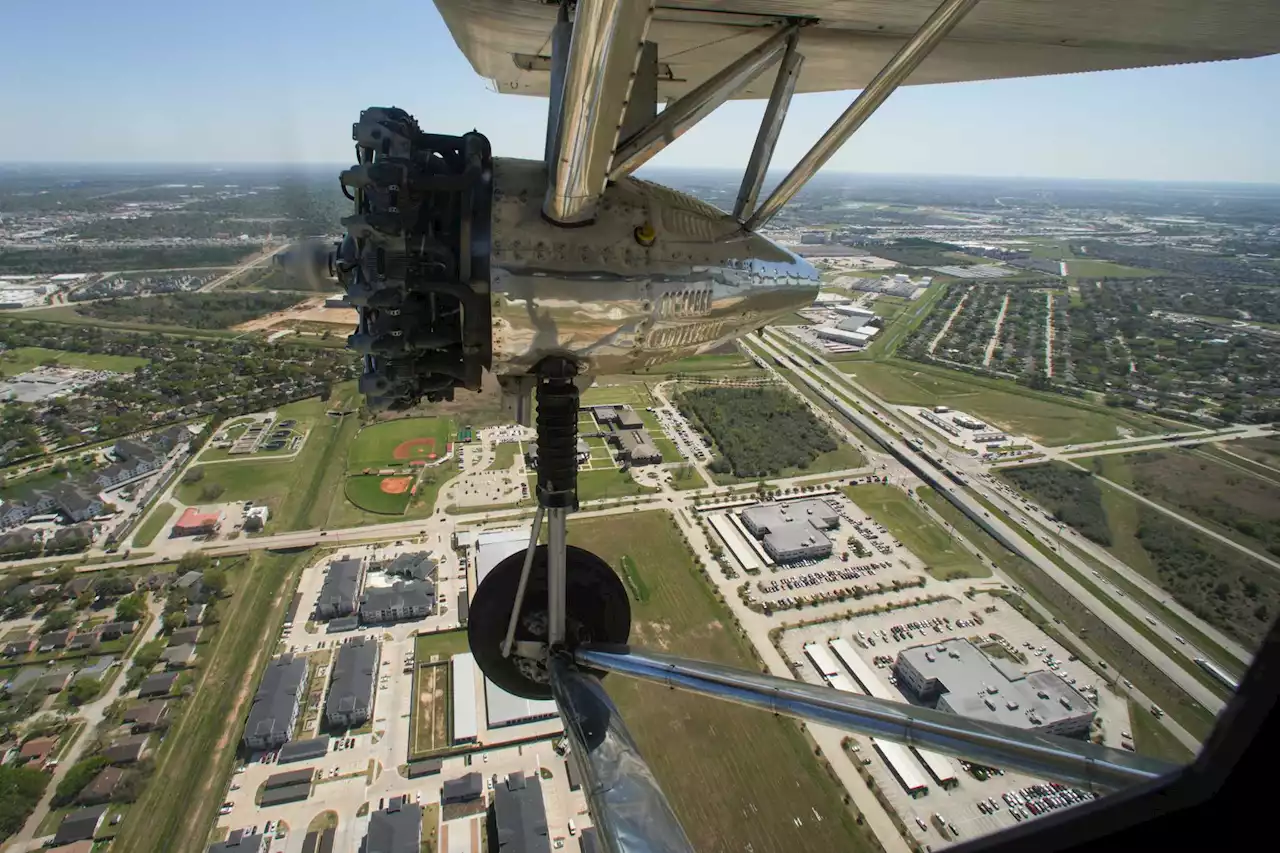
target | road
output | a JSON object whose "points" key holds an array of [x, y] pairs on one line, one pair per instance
{"points": [[962, 499], [264, 255]]}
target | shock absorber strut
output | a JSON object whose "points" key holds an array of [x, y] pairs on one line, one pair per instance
{"points": [[557, 478]]}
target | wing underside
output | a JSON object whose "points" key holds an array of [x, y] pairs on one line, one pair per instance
{"points": [[508, 41]]}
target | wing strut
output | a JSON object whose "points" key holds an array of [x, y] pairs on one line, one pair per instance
{"points": [[605, 45], [775, 114], [894, 73], [673, 121]]}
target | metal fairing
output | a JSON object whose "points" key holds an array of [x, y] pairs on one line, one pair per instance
{"points": [[595, 293]]}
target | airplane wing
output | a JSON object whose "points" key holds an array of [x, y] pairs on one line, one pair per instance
{"points": [[508, 41]]}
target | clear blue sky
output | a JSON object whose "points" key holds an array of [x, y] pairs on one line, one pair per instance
{"points": [[273, 81]]}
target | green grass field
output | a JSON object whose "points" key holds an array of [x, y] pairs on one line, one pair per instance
{"points": [[22, 359], [1151, 738], [375, 445], [444, 645], [699, 364], [611, 483], [366, 493], [504, 456], [153, 525], [736, 777], [617, 389], [919, 533], [180, 803], [1022, 413]]}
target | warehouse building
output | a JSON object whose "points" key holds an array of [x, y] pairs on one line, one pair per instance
{"points": [[275, 705], [340, 592], [507, 709], [965, 681], [792, 531], [350, 700], [462, 681]]}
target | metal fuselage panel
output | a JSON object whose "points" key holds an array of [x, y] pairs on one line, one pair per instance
{"points": [[596, 294]]}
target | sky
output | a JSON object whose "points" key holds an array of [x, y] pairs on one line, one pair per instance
{"points": [[271, 81]]}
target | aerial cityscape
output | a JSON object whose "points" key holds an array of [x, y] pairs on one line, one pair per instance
{"points": [[286, 491]]}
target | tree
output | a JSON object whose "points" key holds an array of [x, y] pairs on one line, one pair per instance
{"points": [[174, 620], [193, 475], [58, 620], [211, 492], [20, 790], [147, 656], [130, 608], [193, 561], [215, 580], [80, 774], [83, 691], [62, 574]]}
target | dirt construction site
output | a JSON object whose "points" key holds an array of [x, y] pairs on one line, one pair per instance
{"points": [[310, 316]]}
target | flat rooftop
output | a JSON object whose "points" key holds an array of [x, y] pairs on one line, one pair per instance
{"points": [[975, 686]]}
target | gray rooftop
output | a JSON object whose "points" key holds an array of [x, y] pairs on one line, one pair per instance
{"points": [[353, 674], [773, 517], [521, 817], [417, 566], [399, 595], [341, 583], [273, 704], [395, 829], [238, 843], [975, 686]]}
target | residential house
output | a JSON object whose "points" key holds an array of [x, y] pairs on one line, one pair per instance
{"points": [[82, 641], [127, 750], [147, 716], [463, 789], [521, 816], [275, 705], [54, 640], [184, 637], [97, 670], [395, 603], [57, 679], [18, 648], [417, 566], [44, 591], [178, 657], [13, 513], [194, 614], [75, 586], [157, 685], [115, 630], [24, 540], [240, 841], [80, 825], [38, 750], [192, 583], [102, 786]]}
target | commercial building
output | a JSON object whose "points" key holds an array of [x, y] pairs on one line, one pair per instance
{"points": [[350, 700], [398, 602], [462, 681], [255, 518], [792, 531], [395, 829], [582, 452], [635, 446], [340, 591], [275, 705], [417, 566], [493, 546], [520, 816], [507, 709], [965, 681], [193, 522]]}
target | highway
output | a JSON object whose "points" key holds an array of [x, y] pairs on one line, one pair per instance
{"points": [[995, 526], [1035, 520]]}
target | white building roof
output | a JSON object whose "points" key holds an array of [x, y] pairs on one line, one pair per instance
{"points": [[494, 546], [821, 659], [507, 709], [466, 724], [738, 547]]}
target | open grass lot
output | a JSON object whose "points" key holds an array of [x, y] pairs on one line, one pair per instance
{"points": [[1004, 404], [22, 359], [1151, 738], [699, 364], [1231, 591], [179, 804], [737, 777], [610, 483], [504, 456], [375, 445], [617, 389], [1264, 451], [443, 645], [154, 524], [920, 534], [1224, 496], [367, 494], [430, 726], [299, 490]]}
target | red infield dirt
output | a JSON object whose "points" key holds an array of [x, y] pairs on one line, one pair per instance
{"points": [[415, 448], [395, 485]]}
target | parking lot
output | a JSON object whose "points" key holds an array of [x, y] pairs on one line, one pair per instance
{"points": [[680, 431], [977, 805]]}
